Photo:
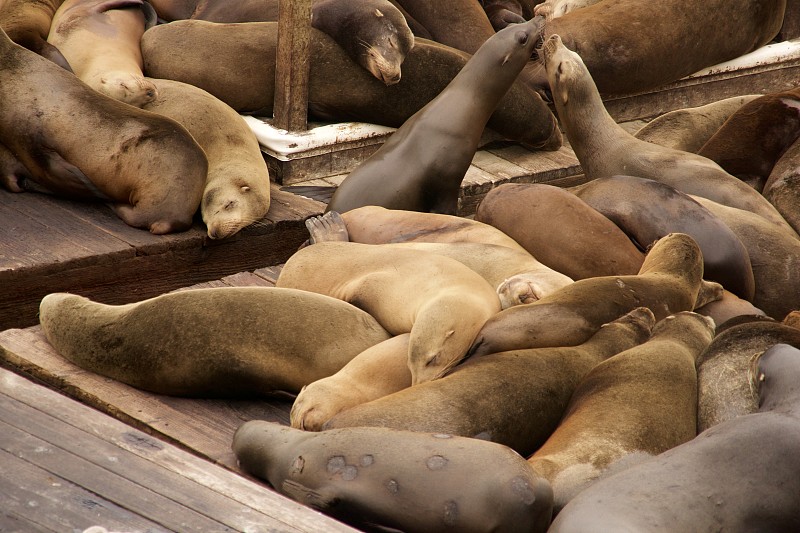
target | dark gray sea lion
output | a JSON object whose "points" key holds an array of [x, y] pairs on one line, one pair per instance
{"points": [[386, 480], [514, 398], [646, 210], [636, 404], [236, 63], [740, 475]]}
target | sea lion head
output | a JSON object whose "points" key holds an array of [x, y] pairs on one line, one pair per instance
{"points": [[129, 88], [384, 54], [228, 207], [528, 287], [565, 70]]}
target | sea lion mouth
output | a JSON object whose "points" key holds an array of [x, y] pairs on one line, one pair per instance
{"points": [[549, 47]]}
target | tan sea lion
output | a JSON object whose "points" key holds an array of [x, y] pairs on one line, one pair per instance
{"points": [[550, 9], [440, 301], [646, 210], [100, 39], [421, 166], [586, 244], [792, 319], [237, 191], [586, 121], [79, 143], [725, 369], [627, 53], [782, 188], [688, 129], [387, 480], [231, 341], [669, 281], [27, 23], [636, 404], [236, 63], [515, 398], [754, 137], [738, 476], [516, 275], [774, 257], [374, 373]]}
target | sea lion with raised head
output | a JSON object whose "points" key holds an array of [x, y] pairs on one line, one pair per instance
{"points": [[222, 342], [635, 404], [237, 188], [646, 210], [586, 244], [740, 475], [421, 166], [440, 301], [669, 281], [78, 143], [605, 149], [386, 480], [100, 39], [514, 398]]}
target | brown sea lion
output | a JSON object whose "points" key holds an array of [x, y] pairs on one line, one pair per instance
{"points": [[236, 63], [738, 476], [100, 39], [27, 23], [605, 149], [421, 166], [646, 210], [782, 188], [79, 143], [728, 307], [387, 480], [669, 281], [688, 129], [627, 53], [516, 275], [460, 24], [502, 13], [792, 319], [586, 244], [724, 370], [753, 138], [515, 398], [374, 373], [231, 341], [636, 404], [237, 190], [774, 256], [440, 301]]}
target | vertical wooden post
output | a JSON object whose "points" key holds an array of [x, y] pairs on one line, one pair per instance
{"points": [[291, 71]]}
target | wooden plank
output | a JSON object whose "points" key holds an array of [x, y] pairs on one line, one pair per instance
{"points": [[333, 162], [292, 67], [269, 273], [503, 169], [124, 454], [205, 427]]}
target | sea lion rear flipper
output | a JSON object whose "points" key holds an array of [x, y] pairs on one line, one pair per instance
{"points": [[69, 178], [314, 499]]}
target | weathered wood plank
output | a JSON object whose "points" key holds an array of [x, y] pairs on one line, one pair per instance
{"points": [[292, 67], [503, 169]]}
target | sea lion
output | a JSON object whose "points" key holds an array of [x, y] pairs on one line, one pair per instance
{"points": [[627, 53], [387, 480], [516, 275], [754, 137], [502, 13], [792, 319], [782, 188], [440, 301], [669, 281], [514, 398], [374, 373], [636, 404], [460, 24], [100, 39], [550, 9], [227, 341], [738, 476], [620, 153], [729, 306], [236, 63], [688, 129], [774, 256], [28, 23], [236, 191], [586, 244], [724, 370], [421, 166], [14, 177], [79, 143], [646, 210]]}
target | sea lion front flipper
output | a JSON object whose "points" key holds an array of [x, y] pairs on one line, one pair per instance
{"points": [[314, 499]]}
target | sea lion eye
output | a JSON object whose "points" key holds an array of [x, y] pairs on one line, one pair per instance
{"points": [[522, 37]]}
